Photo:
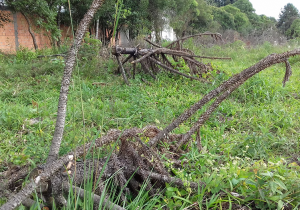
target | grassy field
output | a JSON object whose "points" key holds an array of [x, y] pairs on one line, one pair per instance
{"points": [[251, 142]]}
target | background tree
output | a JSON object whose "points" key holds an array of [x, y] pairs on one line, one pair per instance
{"points": [[244, 6], [189, 16], [137, 16], [288, 14], [241, 21], [224, 18], [294, 30], [221, 3]]}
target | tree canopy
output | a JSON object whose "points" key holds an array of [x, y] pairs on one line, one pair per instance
{"points": [[287, 16], [294, 30]]}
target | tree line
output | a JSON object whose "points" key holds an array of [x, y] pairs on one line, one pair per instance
{"points": [[142, 17]]}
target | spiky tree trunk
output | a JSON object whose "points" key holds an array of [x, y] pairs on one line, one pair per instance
{"points": [[70, 62]]}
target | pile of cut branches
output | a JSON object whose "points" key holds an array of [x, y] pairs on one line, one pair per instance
{"points": [[134, 161], [165, 57]]}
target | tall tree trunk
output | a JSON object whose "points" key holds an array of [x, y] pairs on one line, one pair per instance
{"points": [[70, 62], [30, 31], [58, 25], [97, 29], [157, 31]]}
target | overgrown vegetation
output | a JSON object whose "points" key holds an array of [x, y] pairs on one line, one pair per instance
{"points": [[250, 144], [138, 18]]}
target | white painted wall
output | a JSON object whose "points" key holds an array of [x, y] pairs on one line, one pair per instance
{"points": [[123, 38], [168, 34]]}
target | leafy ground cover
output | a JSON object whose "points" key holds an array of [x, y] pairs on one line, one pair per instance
{"points": [[250, 154]]}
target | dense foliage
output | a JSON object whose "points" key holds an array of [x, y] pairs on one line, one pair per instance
{"points": [[140, 17], [288, 16]]}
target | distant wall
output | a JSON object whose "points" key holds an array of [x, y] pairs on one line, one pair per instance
{"points": [[15, 34]]}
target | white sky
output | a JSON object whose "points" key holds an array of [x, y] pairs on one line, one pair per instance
{"points": [[272, 8]]}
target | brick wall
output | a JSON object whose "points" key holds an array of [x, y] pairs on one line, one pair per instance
{"points": [[15, 34], [7, 35]]}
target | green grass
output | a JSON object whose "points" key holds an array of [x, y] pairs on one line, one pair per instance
{"points": [[248, 140]]}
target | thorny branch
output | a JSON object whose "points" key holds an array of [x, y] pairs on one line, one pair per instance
{"points": [[231, 84]]}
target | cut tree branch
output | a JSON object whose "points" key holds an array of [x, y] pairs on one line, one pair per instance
{"points": [[122, 70], [243, 76], [173, 70]]}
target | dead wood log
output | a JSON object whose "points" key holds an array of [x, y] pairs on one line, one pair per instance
{"points": [[122, 70], [222, 97], [124, 61], [169, 52], [147, 70], [152, 43], [134, 68], [171, 180], [179, 42], [173, 70]]}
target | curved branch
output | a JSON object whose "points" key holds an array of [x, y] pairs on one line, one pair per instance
{"points": [[241, 77], [30, 31], [154, 44], [215, 35], [172, 70], [165, 51]]}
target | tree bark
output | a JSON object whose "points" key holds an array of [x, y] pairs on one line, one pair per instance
{"points": [[70, 62], [30, 31]]}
